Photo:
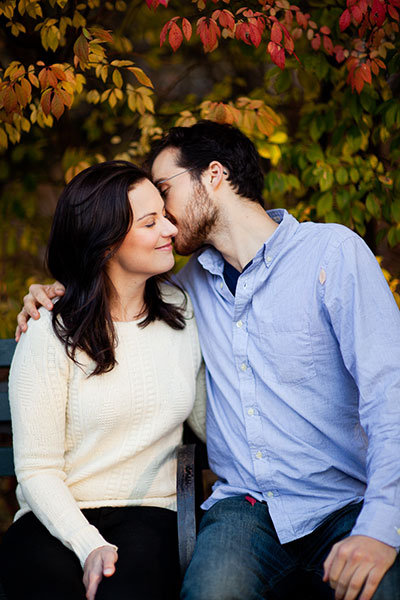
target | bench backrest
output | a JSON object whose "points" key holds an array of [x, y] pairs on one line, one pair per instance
{"points": [[7, 348]]}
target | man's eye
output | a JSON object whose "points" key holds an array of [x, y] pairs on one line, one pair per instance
{"points": [[163, 193]]}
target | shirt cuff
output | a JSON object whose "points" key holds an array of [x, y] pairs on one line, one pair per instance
{"points": [[379, 521]]}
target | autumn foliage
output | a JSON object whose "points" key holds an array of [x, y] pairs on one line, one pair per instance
{"points": [[316, 85]]}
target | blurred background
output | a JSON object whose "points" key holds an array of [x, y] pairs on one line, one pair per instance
{"points": [[315, 85]]}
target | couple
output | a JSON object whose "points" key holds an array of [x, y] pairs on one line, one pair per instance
{"points": [[301, 339]]}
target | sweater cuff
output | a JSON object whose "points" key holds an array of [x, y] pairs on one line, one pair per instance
{"points": [[379, 521], [87, 539]]}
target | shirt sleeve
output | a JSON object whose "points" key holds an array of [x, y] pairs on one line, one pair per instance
{"points": [[38, 396], [366, 322]]}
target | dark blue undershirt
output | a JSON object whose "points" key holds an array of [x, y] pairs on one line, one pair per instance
{"points": [[231, 275]]}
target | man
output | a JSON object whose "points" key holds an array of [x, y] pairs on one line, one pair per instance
{"points": [[301, 339]]}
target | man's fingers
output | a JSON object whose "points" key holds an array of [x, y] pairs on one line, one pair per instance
{"points": [[328, 564], [374, 578], [351, 581], [39, 295]]}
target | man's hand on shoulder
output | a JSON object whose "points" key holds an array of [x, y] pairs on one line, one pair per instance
{"points": [[357, 563], [39, 295]]}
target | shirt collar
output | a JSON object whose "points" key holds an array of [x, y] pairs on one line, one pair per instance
{"points": [[212, 260]]}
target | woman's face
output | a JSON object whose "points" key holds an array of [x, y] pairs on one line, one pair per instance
{"points": [[147, 247]]}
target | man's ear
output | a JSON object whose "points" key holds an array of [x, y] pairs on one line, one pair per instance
{"points": [[216, 174]]}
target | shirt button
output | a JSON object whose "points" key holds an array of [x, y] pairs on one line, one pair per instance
{"points": [[269, 259], [259, 454], [270, 494], [239, 323], [250, 412], [243, 366]]}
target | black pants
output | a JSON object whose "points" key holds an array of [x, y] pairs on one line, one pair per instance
{"points": [[34, 565]]}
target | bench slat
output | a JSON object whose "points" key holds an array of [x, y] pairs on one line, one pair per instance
{"points": [[6, 461], [7, 349]]}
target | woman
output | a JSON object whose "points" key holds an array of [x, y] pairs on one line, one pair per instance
{"points": [[99, 390]]}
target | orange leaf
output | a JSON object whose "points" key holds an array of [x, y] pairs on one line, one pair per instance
{"points": [[51, 78], [43, 78], [226, 20], [46, 102], [366, 73], [59, 73], [325, 30], [57, 105], [187, 29], [175, 37], [358, 80], [102, 34], [81, 48], [10, 100]]}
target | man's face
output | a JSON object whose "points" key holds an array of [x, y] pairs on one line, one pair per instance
{"points": [[187, 202]]}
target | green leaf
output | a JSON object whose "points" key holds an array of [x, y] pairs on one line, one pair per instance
{"points": [[324, 204], [342, 176], [395, 210], [354, 175], [373, 205], [314, 153]]}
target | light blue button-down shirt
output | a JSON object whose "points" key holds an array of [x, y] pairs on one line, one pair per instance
{"points": [[303, 377]]}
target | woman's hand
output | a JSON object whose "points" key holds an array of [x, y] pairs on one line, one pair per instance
{"points": [[100, 561], [39, 295]]}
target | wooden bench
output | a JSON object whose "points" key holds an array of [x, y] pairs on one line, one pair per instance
{"points": [[185, 473]]}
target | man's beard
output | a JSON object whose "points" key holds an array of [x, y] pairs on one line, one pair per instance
{"points": [[195, 228]]}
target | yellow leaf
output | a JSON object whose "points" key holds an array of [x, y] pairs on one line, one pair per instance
{"points": [[279, 137], [117, 78], [3, 139], [141, 76]]}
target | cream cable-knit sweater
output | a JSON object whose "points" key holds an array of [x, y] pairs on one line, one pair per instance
{"points": [[106, 440]]}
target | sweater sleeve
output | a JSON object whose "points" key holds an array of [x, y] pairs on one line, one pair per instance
{"points": [[197, 418], [38, 396]]}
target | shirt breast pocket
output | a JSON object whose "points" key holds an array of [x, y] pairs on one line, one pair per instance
{"points": [[288, 355]]}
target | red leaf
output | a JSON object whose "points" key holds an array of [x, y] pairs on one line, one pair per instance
{"points": [[277, 54], [339, 53], [226, 19], [378, 13], [208, 31], [187, 29], [328, 45], [393, 13], [289, 44], [357, 14], [276, 33], [344, 20], [316, 42], [164, 31], [175, 37], [325, 30], [301, 19], [255, 34], [163, 2], [243, 33], [51, 78]]}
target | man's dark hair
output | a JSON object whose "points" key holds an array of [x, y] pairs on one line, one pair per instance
{"points": [[206, 141], [92, 218]]}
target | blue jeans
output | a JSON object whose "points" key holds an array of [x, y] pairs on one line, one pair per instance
{"points": [[238, 557]]}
